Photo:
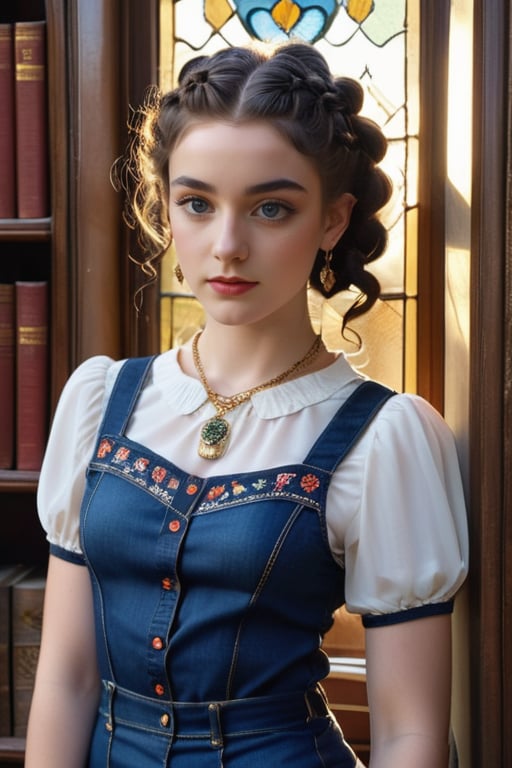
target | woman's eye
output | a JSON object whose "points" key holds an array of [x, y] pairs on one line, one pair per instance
{"points": [[195, 205], [274, 210], [198, 206]]}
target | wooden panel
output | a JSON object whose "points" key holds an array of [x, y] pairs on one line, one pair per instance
{"points": [[141, 29], [95, 87], [434, 27], [58, 126], [490, 502]]}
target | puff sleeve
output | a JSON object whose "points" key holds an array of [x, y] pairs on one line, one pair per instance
{"points": [[406, 547], [68, 451]]}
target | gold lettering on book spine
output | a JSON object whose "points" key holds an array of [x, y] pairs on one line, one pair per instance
{"points": [[34, 335], [29, 72]]}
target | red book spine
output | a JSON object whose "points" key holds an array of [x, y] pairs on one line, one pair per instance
{"points": [[31, 119], [31, 373], [7, 124], [6, 376]]}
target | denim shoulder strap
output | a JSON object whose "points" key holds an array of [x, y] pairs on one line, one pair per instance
{"points": [[124, 395], [347, 425]]}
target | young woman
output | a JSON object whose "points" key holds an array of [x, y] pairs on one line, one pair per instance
{"points": [[209, 509]]}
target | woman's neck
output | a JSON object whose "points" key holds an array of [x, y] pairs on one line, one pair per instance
{"points": [[235, 359]]}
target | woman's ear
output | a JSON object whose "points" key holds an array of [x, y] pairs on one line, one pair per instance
{"points": [[337, 220]]}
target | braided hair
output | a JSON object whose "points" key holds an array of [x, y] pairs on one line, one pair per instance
{"points": [[294, 91]]}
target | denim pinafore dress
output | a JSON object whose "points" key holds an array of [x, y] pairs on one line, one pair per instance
{"points": [[211, 598]]}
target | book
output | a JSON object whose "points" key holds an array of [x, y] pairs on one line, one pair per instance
{"points": [[27, 619], [9, 575], [7, 124], [31, 119], [6, 375], [31, 373]]}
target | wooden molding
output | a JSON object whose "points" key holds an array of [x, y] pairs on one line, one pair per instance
{"points": [[95, 87], [490, 418], [434, 30]]}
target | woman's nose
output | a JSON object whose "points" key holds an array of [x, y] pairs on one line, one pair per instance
{"points": [[230, 242]]}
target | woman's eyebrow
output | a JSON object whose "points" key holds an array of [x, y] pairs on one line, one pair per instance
{"points": [[188, 181], [274, 185], [255, 189]]}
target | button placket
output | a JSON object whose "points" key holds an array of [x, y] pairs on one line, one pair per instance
{"points": [[166, 556]]}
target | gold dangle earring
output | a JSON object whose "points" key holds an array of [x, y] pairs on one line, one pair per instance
{"points": [[327, 276], [179, 274]]}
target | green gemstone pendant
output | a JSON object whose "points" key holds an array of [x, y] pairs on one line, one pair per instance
{"points": [[214, 438]]}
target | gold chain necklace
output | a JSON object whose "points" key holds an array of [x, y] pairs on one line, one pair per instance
{"points": [[215, 432]]}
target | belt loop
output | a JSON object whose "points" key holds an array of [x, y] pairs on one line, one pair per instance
{"points": [[110, 690], [216, 738]]}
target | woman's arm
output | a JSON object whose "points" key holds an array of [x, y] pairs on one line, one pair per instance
{"points": [[409, 682], [67, 683]]}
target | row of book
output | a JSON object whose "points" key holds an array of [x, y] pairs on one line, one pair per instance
{"points": [[24, 408], [21, 610], [24, 164]]}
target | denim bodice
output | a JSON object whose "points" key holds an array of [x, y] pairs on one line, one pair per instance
{"points": [[218, 588]]}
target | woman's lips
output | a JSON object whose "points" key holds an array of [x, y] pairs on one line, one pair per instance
{"points": [[230, 286]]}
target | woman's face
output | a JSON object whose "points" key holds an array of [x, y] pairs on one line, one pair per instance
{"points": [[247, 221]]}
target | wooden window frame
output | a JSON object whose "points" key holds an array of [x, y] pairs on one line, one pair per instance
{"points": [[490, 390]]}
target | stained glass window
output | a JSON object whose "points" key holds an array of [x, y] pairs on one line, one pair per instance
{"points": [[376, 42]]}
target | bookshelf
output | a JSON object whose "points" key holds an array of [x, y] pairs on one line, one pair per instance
{"points": [[78, 247], [37, 249]]}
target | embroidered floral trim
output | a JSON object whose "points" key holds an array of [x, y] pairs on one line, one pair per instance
{"points": [[150, 475], [309, 483], [290, 485], [105, 447], [164, 482]]}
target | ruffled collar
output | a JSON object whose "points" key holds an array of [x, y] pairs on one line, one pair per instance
{"points": [[184, 394]]}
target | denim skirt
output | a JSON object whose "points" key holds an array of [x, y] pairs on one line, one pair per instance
{"points": [[295, 731]]}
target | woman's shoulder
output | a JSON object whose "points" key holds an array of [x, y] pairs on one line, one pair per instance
{"points": [[93, 372], [407, 429], [413, 414], [83, 399]]}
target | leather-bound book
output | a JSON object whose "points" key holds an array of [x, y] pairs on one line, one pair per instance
{"points": [[7, 124], [6, 375], [9, 575], [31, 119], [27, 617], [31, 373]]}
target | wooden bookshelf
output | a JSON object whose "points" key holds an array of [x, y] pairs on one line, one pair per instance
{"points": [[12, 752], [81, 247], [38, 249]]}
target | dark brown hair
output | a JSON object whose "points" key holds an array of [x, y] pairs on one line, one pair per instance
{"points": [[293, 90]]}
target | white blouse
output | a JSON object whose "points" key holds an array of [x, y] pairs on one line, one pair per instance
{"points": [[395, 508]]}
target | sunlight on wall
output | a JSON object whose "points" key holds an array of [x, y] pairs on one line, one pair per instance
{"points": [[457, 308]]}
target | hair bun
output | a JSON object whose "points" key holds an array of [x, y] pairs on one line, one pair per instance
{"points": [[190, 67], [370, 137], [350, 94]]}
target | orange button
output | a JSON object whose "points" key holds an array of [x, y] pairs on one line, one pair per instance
{"points": [[174, 526], [157, 643], [166, 583], [159, 689]]}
